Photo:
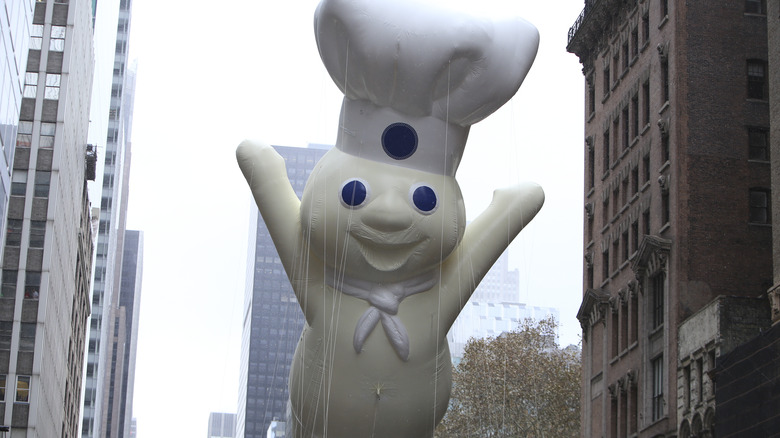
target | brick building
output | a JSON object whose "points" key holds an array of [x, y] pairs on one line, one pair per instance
{"points": [[677, 200]]}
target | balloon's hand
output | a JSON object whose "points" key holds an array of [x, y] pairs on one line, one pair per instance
{"points": [[263, 168]]}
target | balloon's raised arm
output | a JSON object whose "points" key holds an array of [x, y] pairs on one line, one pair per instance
{"points": [[265, 171], [485, 239]]}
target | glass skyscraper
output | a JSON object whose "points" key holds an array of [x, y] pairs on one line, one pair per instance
{"points": [[272, 317]]}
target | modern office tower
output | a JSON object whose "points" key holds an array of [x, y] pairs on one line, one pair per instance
{"points": [[272, 317], [123, 334], [111, 229], [48, 249], [15, 27], [494, 308], [222, 425], [677, 200]]}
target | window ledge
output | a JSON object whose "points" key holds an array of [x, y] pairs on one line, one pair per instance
{"points": [[646, 127], [755, 100], [664, 166], [591, 116], [664, 228], [663, 21], [590, 192], [664, 108], [758, 224], [654, 332], [767, 162]]}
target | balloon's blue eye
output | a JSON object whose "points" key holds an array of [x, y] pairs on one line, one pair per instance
{"points": [[353, 193], [399, 141], [424, 199]]}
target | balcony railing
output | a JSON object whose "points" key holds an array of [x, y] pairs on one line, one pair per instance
{"points": [[578, 22]]}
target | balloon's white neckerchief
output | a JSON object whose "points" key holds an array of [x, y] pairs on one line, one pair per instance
{"points": [[384, 300]]}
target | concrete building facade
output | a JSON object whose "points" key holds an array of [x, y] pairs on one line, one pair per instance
{"points": [[15, 27], [48, 248], [273, 319], [677, 184], [773, 31]]}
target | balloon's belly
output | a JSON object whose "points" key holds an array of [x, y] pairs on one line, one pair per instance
{"points": [[337, 392]]}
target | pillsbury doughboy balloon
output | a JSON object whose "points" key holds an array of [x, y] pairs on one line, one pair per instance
{"points": [[377, 250]]}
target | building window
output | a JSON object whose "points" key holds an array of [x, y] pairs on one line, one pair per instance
{"points": [[52, 90], [758, 144], [42, 182], [32, 285], [57, 40], [27, 336], [756, 77], [36, 37], [606, 150], [37, 233], [760, 212], [19, 183], [606, 80], [657, 402], [615, 256], [625, 55], [590, 276], [46, 139], [626, 249], [3, 378], [22, 389], [646, 102], [755, 7], [634, 43], [6, 331], [614, 331], [605, 265], [626, 128], [646, 167], [30, 85], [616, 137], [645, 29], [591, 96], [665, 81], [687, 388], [634, 180], [634, 330], [591, 167], [634, 236], [13, 235], [8, 289], [657, 295], [24, 134], [665, 148], [635, 116], [664, 8]]}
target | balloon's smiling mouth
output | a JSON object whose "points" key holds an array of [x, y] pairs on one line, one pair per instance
{"points": [[389, 254]]}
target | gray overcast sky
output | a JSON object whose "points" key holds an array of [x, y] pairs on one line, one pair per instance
{"points": [[209, 77]]}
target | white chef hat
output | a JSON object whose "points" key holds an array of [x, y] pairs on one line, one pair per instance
{"points": [[415, 77]]}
